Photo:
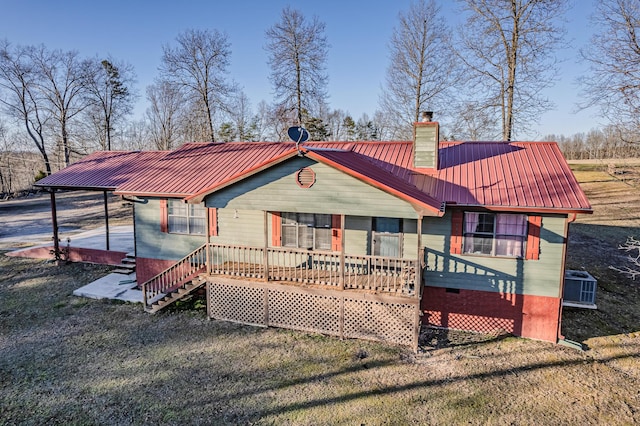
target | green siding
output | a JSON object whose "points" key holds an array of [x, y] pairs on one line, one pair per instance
{"points": [[153, 244], [334, 192], [410, 239], [246, 227], [241, 227], [357, 235], [533, 277]]}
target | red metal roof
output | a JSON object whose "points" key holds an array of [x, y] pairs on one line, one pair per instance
{"points": [[194, 167], [101, 170], [531, 176], [523, 175]]}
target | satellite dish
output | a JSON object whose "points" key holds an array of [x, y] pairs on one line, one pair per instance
{"points": [[298, 134]]}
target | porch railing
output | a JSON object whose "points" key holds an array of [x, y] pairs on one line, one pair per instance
{"points": [[181, 272], [379, 273], [374, 273]]}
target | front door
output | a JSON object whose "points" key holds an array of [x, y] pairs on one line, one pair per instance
{"points": [[387, 237]]}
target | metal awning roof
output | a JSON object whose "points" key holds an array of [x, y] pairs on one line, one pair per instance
{"points": [[101, 170]]}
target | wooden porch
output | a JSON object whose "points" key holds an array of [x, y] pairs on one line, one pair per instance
{"points": [[335, 271], [371, 297]]}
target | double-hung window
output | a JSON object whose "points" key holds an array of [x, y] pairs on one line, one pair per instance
{"points": [[186, 218], [306, 231], [495, 234]]}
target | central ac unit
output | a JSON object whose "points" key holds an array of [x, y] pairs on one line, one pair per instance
{"points": [[579, 290]]}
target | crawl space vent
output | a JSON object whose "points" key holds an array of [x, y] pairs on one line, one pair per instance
{"points": [[305, 177]]}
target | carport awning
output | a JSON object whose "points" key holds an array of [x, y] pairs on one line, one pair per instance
{"points": [[101, 171]]}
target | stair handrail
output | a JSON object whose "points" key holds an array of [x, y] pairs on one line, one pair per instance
{"points": [[173, 276]]}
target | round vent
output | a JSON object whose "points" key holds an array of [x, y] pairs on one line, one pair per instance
{"points": [[305, 177]]}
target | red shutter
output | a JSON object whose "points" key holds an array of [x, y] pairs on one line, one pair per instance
{"points": [[533, 238], [457, 224], [276, 229], [213, 222], [336, 232], [164, 216]]}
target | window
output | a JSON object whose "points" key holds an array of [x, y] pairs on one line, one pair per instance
{"points": [[306, 231], [387, 237], [186, 218], [495, 234]]}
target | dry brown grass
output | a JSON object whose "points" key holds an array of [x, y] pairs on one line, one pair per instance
{"points": [[68, 360], [593, 243]]}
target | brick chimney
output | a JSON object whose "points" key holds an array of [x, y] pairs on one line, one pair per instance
{"points": [[426, 136]]}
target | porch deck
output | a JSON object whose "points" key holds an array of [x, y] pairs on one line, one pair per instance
{"points": [[329, 270]]}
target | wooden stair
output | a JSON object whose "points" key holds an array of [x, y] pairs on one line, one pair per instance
{"points": [[127, 265], [164, 300]]}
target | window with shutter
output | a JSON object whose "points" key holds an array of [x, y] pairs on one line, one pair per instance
{"points": [[306, 231], [496, 234]]}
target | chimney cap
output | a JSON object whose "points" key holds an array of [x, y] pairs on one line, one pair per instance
{"points": [[426, 116]]}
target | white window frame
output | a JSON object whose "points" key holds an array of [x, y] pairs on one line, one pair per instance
{"points": [[492, 234], [189, 213]]}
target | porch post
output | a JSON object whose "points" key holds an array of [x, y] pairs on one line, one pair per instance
{"points": [[208, 241], [265, 261], [106, 217], [342, 266], [54, 223], [418, 289]]}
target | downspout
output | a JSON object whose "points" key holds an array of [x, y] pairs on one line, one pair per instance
{"points": [[561, 340], [418, 285]]}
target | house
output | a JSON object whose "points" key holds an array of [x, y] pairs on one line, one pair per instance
{"points": [[355, 239]]}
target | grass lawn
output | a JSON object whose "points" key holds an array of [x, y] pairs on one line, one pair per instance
{"points": [[68, 360]]}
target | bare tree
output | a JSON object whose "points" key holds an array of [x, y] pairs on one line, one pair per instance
{"points": [[198, 65], [631, 246], [164, 114], [62, 83], [111, 98], [297, 56], [613, 81], [19, 80], [6, 165], [263, 123], [422, 69], [508, 47], [242, 118], [136, 136], [474, 123]]}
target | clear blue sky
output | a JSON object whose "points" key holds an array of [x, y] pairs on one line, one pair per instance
{"points": [[358, 31]]}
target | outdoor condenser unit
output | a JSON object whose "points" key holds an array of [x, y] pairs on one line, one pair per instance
{"points": [[579, 290]]}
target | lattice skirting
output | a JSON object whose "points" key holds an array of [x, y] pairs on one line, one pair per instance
{"points": [[346, 314]]}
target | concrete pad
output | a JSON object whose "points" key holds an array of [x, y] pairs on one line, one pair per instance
{"points": [[113, 286], [120, 239], [88, 246]]}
